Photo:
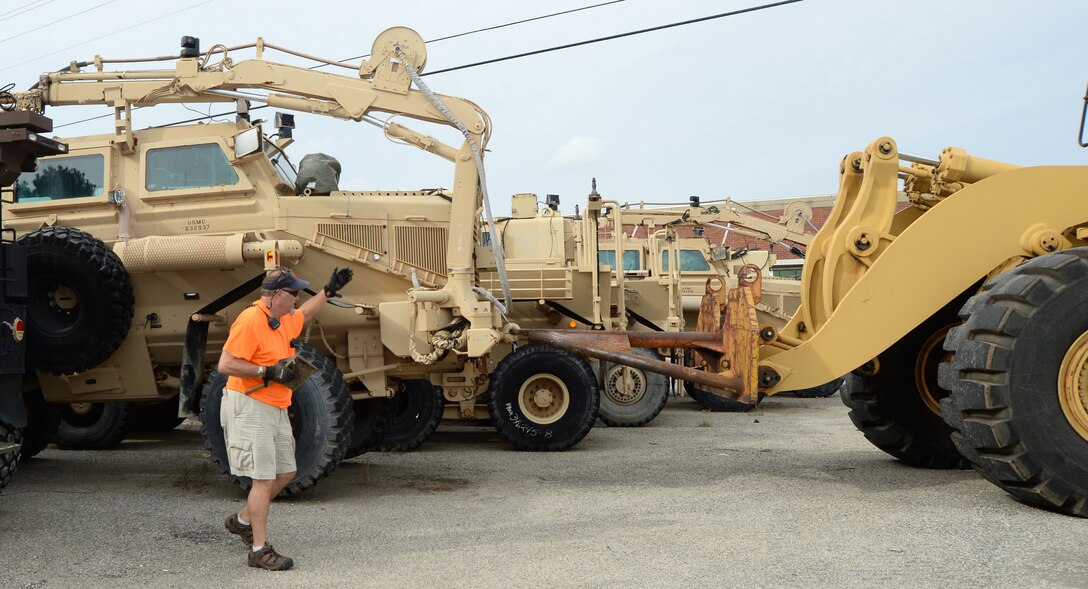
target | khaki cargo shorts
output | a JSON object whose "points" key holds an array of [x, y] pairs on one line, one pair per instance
{"points": [[259, 440]]}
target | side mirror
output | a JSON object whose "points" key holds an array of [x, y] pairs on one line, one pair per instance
{"points": [[248, 142], [285, 122]]}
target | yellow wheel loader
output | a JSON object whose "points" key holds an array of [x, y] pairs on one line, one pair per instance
{"points": [[973, 359]]}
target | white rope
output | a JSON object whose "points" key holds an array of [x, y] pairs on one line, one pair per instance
{"points": [[500, 262], [487, 295]]}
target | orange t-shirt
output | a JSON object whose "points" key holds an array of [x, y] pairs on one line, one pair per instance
{"points": [[252, 339]]}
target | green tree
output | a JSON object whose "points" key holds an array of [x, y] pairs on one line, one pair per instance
{"points": [[56, 182]]}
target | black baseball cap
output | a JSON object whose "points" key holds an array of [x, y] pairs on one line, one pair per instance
{"points": [[283, 279]]}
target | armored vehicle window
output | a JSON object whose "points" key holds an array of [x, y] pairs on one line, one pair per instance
{"points": [[188, 166], [690, 261], [66, 177], [279, 160], [787, 272], [630, 259]]}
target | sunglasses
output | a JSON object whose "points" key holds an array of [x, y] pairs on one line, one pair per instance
{"points": [[289, 291]]}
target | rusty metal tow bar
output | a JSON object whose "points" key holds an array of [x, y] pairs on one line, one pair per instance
{"points": [[726, 345]]}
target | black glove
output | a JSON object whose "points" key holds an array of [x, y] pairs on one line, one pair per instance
{"points": [[340, 277], [282, 372]]}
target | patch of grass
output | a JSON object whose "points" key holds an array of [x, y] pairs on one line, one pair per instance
{"points": [[191, 477], [705, 423], [438, 485]]}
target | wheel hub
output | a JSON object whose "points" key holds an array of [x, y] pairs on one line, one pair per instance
{"points": [[625, 391], [64, 298], [544, 399], [1073, 385], [81, 408], [925, 369]]}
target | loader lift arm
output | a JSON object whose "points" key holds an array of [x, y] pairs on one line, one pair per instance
{"points": [[873, 274]]}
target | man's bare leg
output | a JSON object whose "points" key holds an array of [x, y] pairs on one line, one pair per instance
{"points": [[256, 509]]}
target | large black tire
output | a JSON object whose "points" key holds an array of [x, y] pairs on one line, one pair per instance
{"points": [[1019, 406], [9, 462], [43, 419], [414, 413], [79, 300], [94, 426], [714, 402], [158, 417], [371, 420], [819, 392], [646, 397], [321, 417], [542, 398], [898, 407]]}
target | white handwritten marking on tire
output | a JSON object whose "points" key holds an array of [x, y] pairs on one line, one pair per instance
{"points": [[520, 424]]}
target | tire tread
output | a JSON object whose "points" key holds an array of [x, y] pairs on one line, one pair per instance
{"points": [[982, 417]]}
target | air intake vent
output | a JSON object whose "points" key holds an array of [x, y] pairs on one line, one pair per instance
{"points": [[368, 237], [422, 247]]}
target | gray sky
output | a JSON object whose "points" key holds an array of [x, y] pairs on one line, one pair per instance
{"points": [[761, 105]]}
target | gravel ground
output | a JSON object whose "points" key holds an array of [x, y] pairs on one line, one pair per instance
{"points": [[788, 495]]}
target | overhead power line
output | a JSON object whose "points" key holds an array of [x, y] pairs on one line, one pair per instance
{"points": [[613, 37], [436, 40], [57, 21], [24, 9], [516, 56], [146, 22], [494, 27], [18, 8]]}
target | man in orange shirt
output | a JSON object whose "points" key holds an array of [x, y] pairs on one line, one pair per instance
{"points": [[260, 444]]}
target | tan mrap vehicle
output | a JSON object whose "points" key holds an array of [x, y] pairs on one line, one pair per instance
{"points": [[655, 239], [558, 279], [647, 269], [176, 225], [541, 243]]}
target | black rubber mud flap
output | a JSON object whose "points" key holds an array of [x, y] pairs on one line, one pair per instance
{"points": [[161, 416], [43, 420], [196, 345]]}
